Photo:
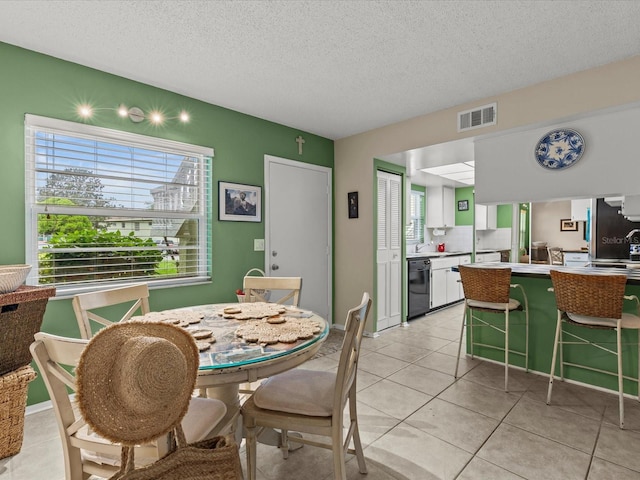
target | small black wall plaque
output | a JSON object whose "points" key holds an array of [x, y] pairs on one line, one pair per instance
{"points": [[352, 199]]}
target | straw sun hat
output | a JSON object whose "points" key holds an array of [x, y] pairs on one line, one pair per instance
{"points": [[135, 380]]}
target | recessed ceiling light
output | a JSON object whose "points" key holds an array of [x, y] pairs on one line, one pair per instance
{"points": [[447, 169], [459, 176]]}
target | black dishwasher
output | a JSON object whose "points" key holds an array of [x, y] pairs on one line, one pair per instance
{"points": [[418, 279]]}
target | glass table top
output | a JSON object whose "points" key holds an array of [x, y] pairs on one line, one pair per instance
{"points": [[229, 350]]}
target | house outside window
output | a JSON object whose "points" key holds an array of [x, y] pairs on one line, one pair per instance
{"points": [[104, 205], [415, 231]]}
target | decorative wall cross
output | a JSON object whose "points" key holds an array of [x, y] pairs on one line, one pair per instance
{"points": [[299, 141]]}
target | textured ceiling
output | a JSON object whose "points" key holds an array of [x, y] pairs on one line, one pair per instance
{"points": [[333, 68]]}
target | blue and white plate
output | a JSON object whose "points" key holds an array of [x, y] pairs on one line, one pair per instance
{"points": [[559, 149]]}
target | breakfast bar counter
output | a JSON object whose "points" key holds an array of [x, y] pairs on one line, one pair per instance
{"points": [[536, 281]]}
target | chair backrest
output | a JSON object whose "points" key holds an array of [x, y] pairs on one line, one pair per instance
{"points": [[592, 295], [350, 353], [255, 287], [556, 255], [135, 297], [488, 284], [57, 358]]}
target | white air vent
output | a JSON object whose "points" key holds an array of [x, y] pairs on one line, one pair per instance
{"points": [[478, 117]]}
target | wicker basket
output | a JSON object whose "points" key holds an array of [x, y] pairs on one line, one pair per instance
{"points": [[13, 401], [21, 314]]}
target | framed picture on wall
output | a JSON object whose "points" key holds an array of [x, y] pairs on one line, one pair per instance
{"points": [[352, 199], [239, 203], [568, 225], [463, 205]]}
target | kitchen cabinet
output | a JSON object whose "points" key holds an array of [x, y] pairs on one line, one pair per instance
{"points": [[438, 286], [579, 209], [631, 207], [440, 207], [486, 217], [488, 257], [445, 285]]}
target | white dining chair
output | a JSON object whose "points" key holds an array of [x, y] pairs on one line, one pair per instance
{"points": [[313, 402], [288, 289], [133, 298], [85, 452]]}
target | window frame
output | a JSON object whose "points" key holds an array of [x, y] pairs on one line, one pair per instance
{"points": [[416, 197], [35, 123]]}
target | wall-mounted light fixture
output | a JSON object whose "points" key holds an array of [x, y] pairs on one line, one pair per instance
{"points": [[135, 114]]}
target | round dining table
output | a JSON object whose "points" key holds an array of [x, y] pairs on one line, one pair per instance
{"points": [[231, 361]]}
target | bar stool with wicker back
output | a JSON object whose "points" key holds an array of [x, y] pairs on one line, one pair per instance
{"points": [[487, 289], [592, 301]]}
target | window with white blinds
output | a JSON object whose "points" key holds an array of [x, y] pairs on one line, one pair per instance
{"points": [[106, 207], [415, 231]]}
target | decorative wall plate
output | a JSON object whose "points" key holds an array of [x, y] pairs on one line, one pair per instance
{"points": [[559, 149]]}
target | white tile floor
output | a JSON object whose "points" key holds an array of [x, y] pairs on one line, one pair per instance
{"points": [[418, 423]]}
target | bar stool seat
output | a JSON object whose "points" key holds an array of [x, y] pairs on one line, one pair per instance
{"points": [[487, 289], [591, 301]]}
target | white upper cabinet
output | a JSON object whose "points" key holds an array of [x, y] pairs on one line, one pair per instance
{"points": [[486, 217], [440, 208], [579, 209]]}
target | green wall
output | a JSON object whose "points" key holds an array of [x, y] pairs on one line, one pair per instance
{"points": [[505, 217], [42, 85], [464, 217]]}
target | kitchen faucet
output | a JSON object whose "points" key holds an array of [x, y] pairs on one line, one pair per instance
{"points": [[632, 233], [417, 247]]}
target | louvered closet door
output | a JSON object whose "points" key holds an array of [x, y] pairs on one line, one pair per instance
{"points": [[389, 287]]}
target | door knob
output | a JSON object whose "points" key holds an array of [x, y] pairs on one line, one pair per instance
{"points": [[274, 267]]}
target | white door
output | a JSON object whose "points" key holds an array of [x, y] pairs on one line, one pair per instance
{"points": [[298, 228], [389, 287]]}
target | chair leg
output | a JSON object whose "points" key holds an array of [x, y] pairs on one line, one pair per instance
{"points": [[284, 443], [553, 357], [250, 447], [470, 327], [620, 381], [339, 468], [526, 335], [561, 354], [357, 444], [506, 350], [464, 318]]}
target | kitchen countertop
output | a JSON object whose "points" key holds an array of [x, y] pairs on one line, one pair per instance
{"points": [[445, 254], [542, 270], [435, 254]]}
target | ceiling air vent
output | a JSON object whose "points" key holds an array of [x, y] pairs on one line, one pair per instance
{"points": [[478, 117]]}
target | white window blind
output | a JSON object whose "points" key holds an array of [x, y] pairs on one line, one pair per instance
{"points": [[415, 231], [111, 207]]}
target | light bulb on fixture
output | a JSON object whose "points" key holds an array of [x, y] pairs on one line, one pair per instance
{"points": [[85, 111], [156, 118]]}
